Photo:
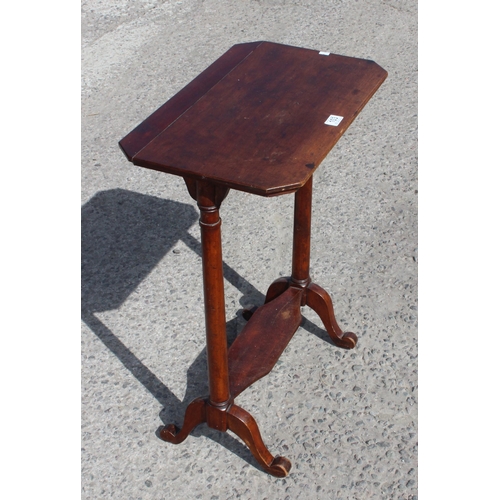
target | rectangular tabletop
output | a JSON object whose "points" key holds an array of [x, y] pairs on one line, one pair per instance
{"points": [[255, 119]]}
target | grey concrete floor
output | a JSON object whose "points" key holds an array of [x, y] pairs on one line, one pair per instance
{"points": [[346, 419]]}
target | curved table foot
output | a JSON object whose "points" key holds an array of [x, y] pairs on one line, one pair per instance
{"points": [[195, 415], [243, 425], [247, 313], [276, 288], [320, 302]]}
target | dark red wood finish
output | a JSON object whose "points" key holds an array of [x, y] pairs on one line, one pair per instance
{"points": [[260, 344], [302, 235], [260, 126], [164, 116], [254, 121], [213, 288]]}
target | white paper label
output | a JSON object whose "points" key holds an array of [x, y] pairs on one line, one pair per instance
{"points": [[324, 53], [333, 120]]}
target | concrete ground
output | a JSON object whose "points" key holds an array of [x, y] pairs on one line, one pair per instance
{"points": [[346, 419]]}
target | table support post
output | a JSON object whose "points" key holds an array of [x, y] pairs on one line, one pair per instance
{"points": [[219, 410], [312, 294], [213, 289], [302, 235]]}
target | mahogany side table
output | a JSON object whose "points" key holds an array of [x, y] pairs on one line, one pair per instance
{"points": [[260, 119]]}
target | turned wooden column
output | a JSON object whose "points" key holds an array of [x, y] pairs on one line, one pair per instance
{"points": [[213, 290], [302, 235]]}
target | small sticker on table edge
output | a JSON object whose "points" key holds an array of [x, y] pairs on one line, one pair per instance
{"points": [[322, 53], [333, 120]]}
